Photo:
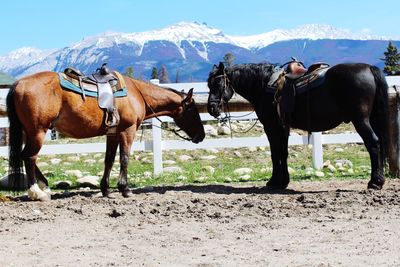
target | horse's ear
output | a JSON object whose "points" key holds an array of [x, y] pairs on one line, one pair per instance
{"points": [[189, 98], [214, 68], [221, 66]]}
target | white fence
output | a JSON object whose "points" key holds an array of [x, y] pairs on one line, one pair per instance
{"points": [[157, 145]]}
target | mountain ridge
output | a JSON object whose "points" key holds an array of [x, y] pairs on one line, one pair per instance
{"points": [[190, 48]]}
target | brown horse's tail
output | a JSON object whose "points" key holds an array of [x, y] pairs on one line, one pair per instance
{"points": [[380, 112], [15, 172]]}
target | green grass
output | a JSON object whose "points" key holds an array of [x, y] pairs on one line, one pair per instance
{"points": [[198, 169]]}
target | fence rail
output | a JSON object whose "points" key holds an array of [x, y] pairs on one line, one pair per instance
{"points": [[157, 145]]}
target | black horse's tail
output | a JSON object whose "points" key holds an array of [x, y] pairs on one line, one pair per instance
{"points": [[380, 112], [15, 171]]}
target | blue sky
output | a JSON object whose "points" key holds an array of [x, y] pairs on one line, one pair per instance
{"points": [[49, 24]]}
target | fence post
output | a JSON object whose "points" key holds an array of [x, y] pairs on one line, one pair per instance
{"points": [[317, 153], [157, 145], [393, 145]]}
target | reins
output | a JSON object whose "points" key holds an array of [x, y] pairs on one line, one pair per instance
{"points": [[228, 115], [176, 132]]}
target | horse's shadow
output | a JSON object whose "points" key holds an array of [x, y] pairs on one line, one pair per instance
{"points": [[222, 189]]}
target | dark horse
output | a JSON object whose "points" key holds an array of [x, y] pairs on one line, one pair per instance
{"points": [[37, 103], [350, 92]]}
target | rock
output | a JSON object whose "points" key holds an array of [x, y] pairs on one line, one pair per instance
{"points": [[184, 158], [210, 130], [331, 168], [291, 170], [90, 181], [200, 179], [237, 154], [223, 130], [42, 164], [169, 162], [244, 178], [339, 149], [344, 162], [55, 161], [208, 169], [309, 171], [326, 164], [227, 180], [350, 171], [90, 161], [172, 169], [242, 171], [181, 178], [75, 173], [209, 157], [212, 150], [252, 149], [63, 184], [147, 174], [73, 158], [319, 174]]}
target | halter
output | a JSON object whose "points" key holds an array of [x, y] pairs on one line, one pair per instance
{"points": [[228, 115]]}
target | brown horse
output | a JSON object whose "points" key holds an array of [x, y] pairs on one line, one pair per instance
{"points": [[37, 103]]}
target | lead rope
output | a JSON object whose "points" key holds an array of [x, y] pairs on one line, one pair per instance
{"points": [[176, 132]]}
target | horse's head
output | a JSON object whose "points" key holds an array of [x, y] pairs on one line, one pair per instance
{"points": [[188, 119], [221, 90]]}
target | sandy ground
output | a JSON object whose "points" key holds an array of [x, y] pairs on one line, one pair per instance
{"points": [[334, 223]]}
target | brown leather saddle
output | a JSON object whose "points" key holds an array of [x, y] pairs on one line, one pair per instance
{"points": [[102, 84], [293, 80]]}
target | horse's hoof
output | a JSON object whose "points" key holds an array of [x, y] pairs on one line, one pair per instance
{"points": [[126, 193], [372, 185], [271, 184], [35, 193]]}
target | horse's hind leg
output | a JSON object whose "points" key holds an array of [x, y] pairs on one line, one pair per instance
{"points": [[371, 142], [29, 155], [112, 145]]}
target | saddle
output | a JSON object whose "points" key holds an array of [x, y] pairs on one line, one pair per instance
{"points": [[293, 80], [102, 84]]}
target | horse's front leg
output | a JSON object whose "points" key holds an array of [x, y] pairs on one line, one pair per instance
{"points": [[111, 150], [278, 140], [126, 141]]}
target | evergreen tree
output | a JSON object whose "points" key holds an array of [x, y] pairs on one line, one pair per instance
{"points": [[129, 72], [163, 75], [177, 76], [391, 59], [154, 73], [229, 58]]}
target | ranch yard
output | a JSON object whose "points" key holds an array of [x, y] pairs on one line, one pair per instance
{"points": [[313, 223], [206, 212]]}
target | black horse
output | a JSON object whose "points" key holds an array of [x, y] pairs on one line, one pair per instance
{"points": [[350, 92]]}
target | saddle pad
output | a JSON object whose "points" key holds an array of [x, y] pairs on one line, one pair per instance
{"points": [[73, 86]]}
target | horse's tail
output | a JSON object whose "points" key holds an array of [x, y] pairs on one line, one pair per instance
{"points": [[380, 112], [15, 171]]}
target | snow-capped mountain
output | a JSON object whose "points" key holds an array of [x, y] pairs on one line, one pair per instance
{"points": [[190, 49]]}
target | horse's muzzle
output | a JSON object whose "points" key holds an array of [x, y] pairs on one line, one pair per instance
{"points": [[198, 138], [213, 109]]}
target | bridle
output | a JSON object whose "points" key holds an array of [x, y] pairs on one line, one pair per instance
{"points": [[228, 116], [167, 128]]}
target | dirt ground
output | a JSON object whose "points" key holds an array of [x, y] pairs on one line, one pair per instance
{"points": [[331, 223]]}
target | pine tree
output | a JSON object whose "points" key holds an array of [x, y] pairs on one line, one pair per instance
{"points": [[129, 72], [163, 75], [229, 58], [177, 76], [391, 59], [154, 73]]}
